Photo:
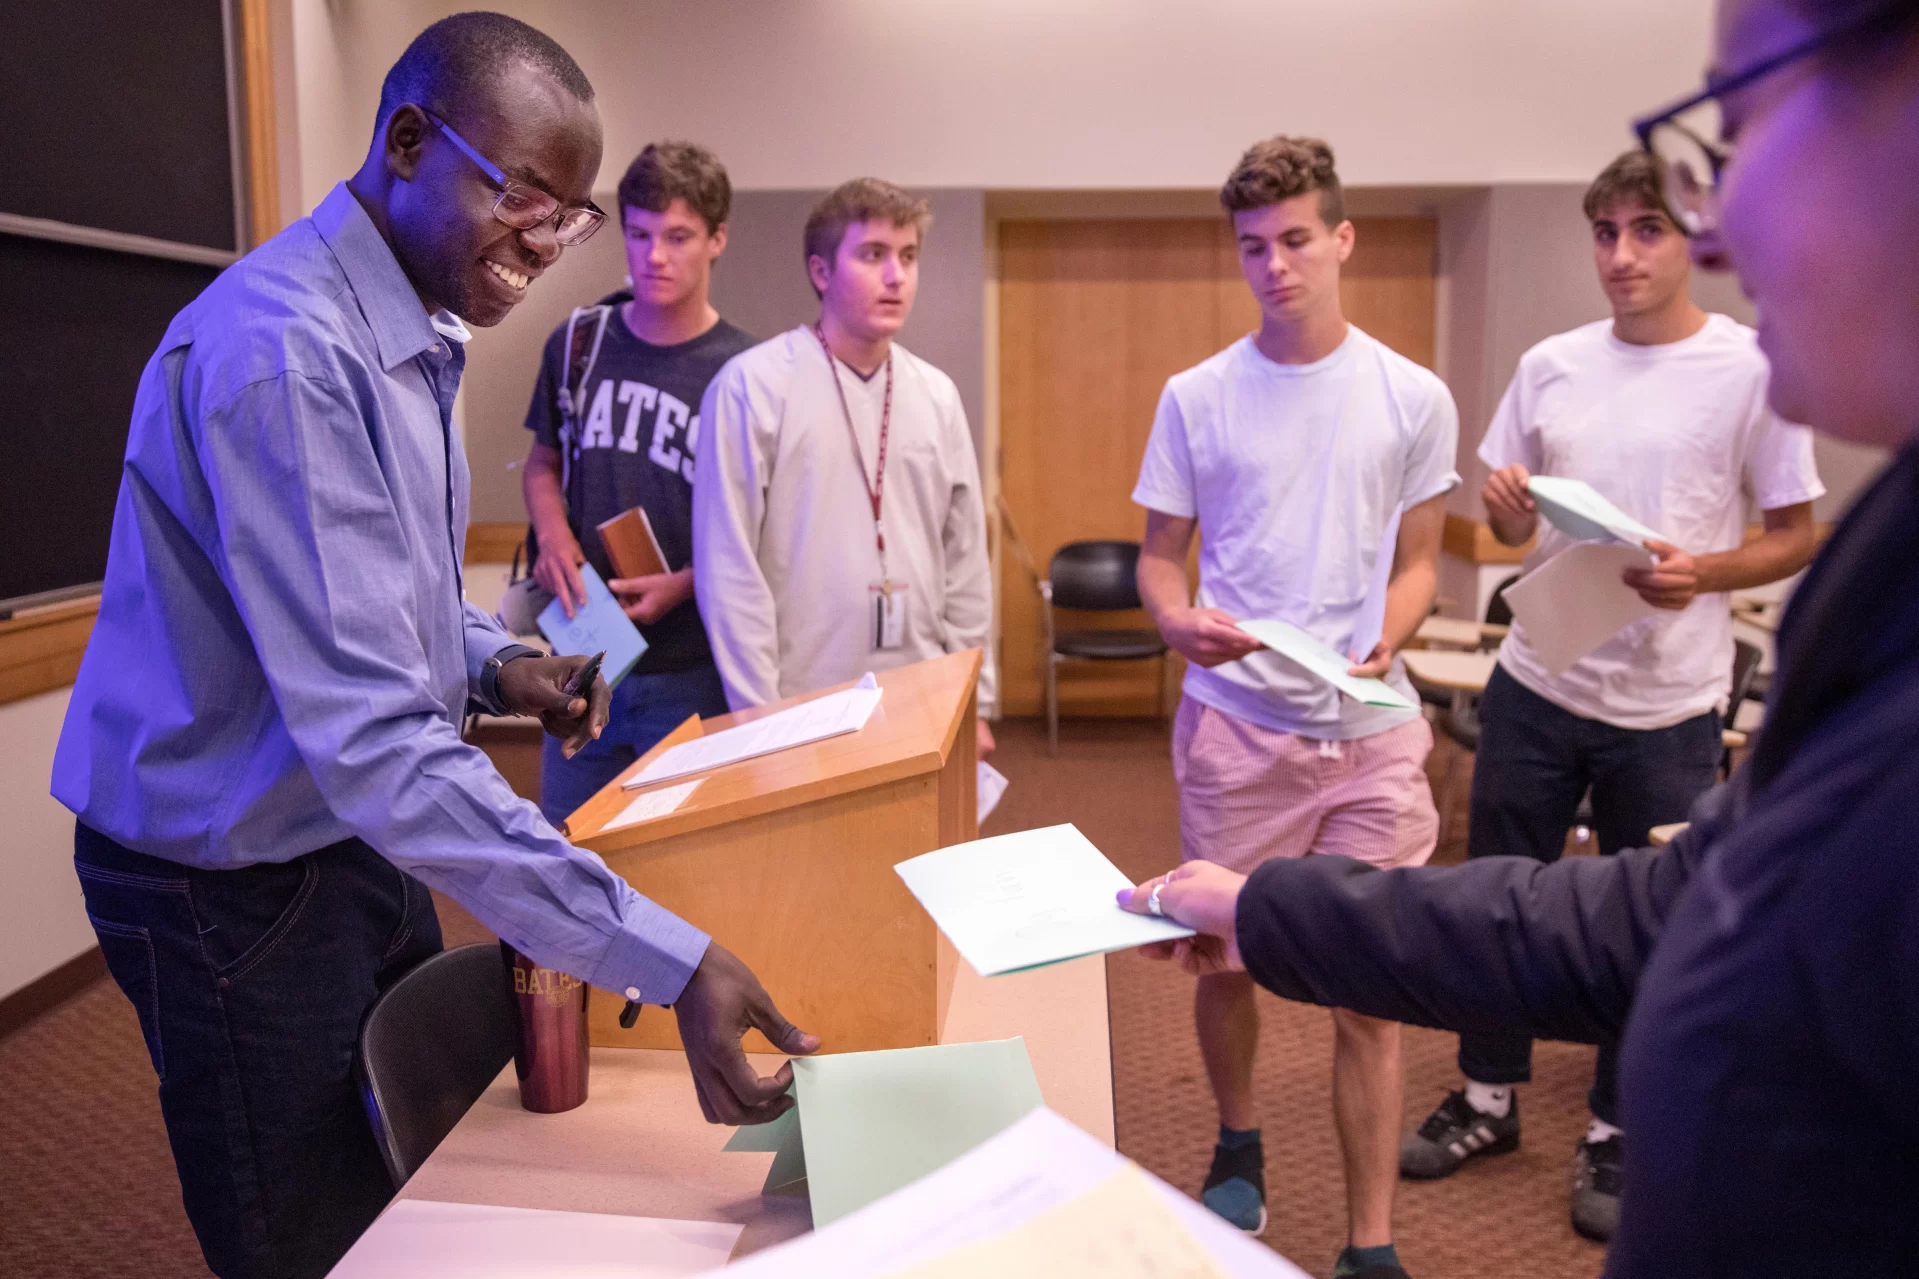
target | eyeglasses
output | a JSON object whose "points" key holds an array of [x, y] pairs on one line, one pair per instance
{"points": [[1688, 137], [523, 207]]}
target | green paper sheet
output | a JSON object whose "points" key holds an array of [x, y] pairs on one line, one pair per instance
{"points": [[1581, 511], [1319, 658], [764, 1138], [1025, 900], [877, 1121]]}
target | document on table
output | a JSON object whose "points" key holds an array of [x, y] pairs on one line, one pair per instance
{"points": [[1039, 1163], [1021, 901], [598, 624], [1322, 660], [830, 716], [426, 1239], [873, 1122], [990, 786], [1577, 600], [1581, 511], [655, 803]]}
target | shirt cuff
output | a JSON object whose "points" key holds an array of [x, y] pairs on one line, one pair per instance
{"points": [[653, 957], [489, 695]]}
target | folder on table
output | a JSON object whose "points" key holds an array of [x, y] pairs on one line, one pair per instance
{"points": [[598, 624], [1320, 659], [631, 546]]}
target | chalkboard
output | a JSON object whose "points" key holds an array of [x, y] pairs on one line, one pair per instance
{"points": [[76, 328], [117, 117]]}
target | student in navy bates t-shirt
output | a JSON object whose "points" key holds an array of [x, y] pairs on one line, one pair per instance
{"points": [[647, 356]]}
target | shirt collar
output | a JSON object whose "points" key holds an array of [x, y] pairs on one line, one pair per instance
{"points": [[401, 326]]}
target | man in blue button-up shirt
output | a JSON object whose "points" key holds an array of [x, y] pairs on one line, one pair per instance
{"points": [[263, 747]]}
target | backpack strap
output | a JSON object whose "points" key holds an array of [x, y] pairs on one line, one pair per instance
{"points": [[585, 329]]}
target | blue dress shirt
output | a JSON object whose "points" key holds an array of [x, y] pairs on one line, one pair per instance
{"points": [[283, 654]]}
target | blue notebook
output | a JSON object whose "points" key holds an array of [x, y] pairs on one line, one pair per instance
{"points": [[601, 624]]}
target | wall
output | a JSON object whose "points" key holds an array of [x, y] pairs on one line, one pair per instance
{"points": [[42, 921]]}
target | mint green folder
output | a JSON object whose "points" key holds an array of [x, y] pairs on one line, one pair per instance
{"points": [[877, 1121], [1581, 511], [1323, 660], [599, 624], [1026, 900]]}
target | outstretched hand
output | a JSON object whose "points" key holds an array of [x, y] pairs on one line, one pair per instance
{"points": [[1202, 896], [539, 686], [721, 1002]]}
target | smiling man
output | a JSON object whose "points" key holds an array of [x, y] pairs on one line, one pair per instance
{"points": [[1662, 408], [616, 425], [838, 525], [263, 745]]}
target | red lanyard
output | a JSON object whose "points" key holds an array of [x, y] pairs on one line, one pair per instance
{"points": [[875, 487]]}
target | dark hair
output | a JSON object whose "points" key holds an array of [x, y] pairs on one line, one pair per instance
{"points": [[1283, 167], [1633, 176], [450, 59], [669, 171], [861, 200]]}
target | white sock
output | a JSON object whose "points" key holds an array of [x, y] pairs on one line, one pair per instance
{"points": [[1599, 1130], [1490, 1099]]}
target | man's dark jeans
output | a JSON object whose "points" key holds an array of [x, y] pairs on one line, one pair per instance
{"points": [[251, 985], [1534, 763]]}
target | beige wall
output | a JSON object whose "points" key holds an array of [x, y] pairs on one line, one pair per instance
{"points": [[43, 923]]}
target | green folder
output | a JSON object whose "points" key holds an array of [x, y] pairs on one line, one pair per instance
{"points": [[1319, 658]]}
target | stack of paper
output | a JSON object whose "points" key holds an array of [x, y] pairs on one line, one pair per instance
{"points": [[598, 624], [1577, 600], [1320, 659], [1039, 1198], [1020, 901], [843, 712], [424, 1239], [1581, 511], [655, 804]]}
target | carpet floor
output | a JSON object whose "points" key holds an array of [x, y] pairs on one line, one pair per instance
{"points": [[89, 1191]]}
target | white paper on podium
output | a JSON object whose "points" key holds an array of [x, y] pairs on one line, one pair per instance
{"points": [[426, 1239], [1577, 600], [655, 803], [843, 712], [1037, 1164], [1581, 511], [990, 786]]}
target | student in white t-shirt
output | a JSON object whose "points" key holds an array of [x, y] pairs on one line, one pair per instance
{"points": [[1663, 410], [1314, 463]]}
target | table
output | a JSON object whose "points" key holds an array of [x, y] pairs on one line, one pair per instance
{"points": [[640, 1147], [1664, 835], [1453, 632]]}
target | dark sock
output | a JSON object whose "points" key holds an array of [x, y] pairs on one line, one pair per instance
{"points": [[1353, 1260], [1235, 1138]]}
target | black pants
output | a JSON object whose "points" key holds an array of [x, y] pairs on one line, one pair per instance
{"points": [[251, 985], [1534, 763]]}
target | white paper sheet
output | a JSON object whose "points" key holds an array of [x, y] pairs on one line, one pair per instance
{"points": [[655, 803], [843, 712], [990, 787], [1576, 601], [426, 1239], [1037, 897], [1038, 1163], [1581, 511], [1296, 645]]}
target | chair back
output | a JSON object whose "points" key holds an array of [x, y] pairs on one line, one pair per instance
{"points": [[1745, 668], [432, 1044], [1498, 611], [1095, 576]]}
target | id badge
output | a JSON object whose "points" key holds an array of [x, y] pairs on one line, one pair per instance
{"points": [[889, 614]]}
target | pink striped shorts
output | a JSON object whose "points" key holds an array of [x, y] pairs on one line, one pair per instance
{"points": [[1247, 794]]}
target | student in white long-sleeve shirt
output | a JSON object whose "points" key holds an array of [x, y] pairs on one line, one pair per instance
{"points": [[838, 522]]}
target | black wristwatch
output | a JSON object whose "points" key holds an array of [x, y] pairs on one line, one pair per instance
{"points": [[490, 676]]}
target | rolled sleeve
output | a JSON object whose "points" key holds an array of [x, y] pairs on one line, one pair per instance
{"points": [[308, 540]]}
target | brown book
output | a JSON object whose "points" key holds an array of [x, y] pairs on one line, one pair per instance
{"points": [[630, 544]]}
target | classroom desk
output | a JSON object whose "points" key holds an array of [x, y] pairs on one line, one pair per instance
{"points": [[1452, 632], [640, 1147]]}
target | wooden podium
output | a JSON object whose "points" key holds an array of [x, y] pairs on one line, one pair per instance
{"points": [[787, 861]]}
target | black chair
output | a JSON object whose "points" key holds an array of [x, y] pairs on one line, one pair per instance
{"points": [[1094, 577], [432, 1044]]}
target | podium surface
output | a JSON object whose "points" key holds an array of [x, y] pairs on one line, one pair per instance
{"points": [[787, 861]]}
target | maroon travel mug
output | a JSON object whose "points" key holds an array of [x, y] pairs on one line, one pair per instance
{"points": [[550, 1055]]}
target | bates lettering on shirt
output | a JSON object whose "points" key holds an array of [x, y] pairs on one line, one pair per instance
{"points": [[639, 435]]}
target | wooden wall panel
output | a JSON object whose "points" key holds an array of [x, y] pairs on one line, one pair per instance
{"points": [[1094, 316]]}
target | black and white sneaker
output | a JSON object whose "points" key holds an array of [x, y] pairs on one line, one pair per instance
{"points": [[1454, 1133], [1598, 1175]]}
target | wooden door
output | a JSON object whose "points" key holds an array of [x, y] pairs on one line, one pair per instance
{"points": [[1094, 316]]}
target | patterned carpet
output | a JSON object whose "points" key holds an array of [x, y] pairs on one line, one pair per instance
{"points": [[89, 1191]]}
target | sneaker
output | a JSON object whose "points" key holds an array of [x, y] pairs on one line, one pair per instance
{"points": [[1236, 1187], [1598, 1174], [1454, 1133], [1345, 1268]]}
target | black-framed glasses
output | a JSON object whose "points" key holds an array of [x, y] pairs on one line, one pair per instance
{"points": [[523, 207], [1688, 137]]}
